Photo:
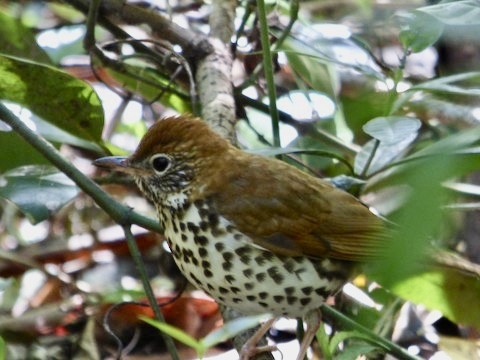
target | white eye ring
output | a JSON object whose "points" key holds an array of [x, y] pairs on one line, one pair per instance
{"points": [[160, 163]]}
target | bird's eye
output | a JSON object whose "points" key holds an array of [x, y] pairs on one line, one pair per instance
{"points": [[160, 163]]}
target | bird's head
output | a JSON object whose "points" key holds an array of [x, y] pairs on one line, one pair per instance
{"points": [[175, 156]]}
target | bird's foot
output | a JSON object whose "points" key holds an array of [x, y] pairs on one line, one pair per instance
{"points": [[251, 350]]}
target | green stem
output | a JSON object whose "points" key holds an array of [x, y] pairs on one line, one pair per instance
{"points": [[268, 69], [119, 213], [347, 323], [294, 7]]}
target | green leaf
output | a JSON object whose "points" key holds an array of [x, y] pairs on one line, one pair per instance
{"points": [[38, 191], [393, 136], [451, 292], [232, 328], [175, 333], [354, 351], [18, 40], [344, 335], [25, 154], [392, 129], [444, 85], [459, 13], [310, 67], [3, 349], [419, 30], [54, 95]]}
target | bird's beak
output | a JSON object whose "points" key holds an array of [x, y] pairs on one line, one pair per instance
{"points": [[118, 163]]}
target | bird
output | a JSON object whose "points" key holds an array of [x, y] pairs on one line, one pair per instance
{"points": [[255, 233]]}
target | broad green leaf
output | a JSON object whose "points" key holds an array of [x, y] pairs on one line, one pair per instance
{"points": [[38, 191], [18, 40], [418, 220], [354, 351], [453, 293], [3, 349], [392, 129], [419, 30], [341, 336], [53, 95], [460, 13], [393, 136], [232, 328], [457, 149], [444, 85], [24, 153], [175, 333]]}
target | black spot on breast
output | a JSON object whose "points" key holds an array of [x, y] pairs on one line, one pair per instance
{"points": [[227, 266], [223, 290], [229, 278], [278, 298], [322, 292], [251, 297], [202, 252], [260, 259], [193, 228], [291, 300], [184, 237], [307, 290], [203, 213], [204, 226], [248, 273], [219, 246], [237, 300], [275, 275], [213, 219], [289, 290], [263, 304], [227, 256], [249, 286], [235, 289], [289, 265], [305, 301], [263, 295], [207, 273], [200, 240], [205, 264], [260, 276]]}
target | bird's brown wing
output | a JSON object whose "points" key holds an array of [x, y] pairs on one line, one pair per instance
{"points": [[292, 213]]}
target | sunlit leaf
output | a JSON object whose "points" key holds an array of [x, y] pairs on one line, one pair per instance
{"points": [[449, 291], [445, 85], [461, 13], [232, 328], [38, 191], [393, 136], [174, 332], [419, 30], [53, 95], [392, 129], [18, 40]]}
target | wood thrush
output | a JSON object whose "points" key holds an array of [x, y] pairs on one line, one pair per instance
{"points": [[255, 233]]}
